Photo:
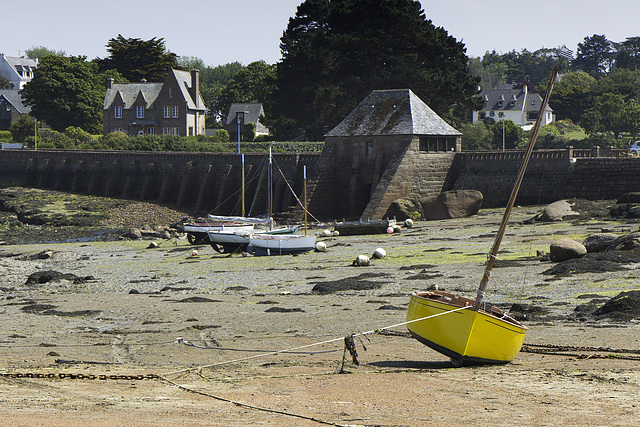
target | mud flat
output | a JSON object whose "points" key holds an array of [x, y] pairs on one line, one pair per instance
{"points": [[119, 311]]}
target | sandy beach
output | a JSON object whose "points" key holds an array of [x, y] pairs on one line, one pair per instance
{"points": [[145, 336]]}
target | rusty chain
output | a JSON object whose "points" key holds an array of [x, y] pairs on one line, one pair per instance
{"points": [[63, 376], [573, 351]]}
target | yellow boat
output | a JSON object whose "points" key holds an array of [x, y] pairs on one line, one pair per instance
{"points": [[470, 331], [467, 336]]}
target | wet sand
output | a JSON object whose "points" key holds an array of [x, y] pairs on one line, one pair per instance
{"points": [[209, 324]]}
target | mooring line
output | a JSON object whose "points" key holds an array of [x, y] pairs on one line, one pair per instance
{"points": [[292, 349], [245, 405]]}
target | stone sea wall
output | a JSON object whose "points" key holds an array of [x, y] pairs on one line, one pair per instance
{"points": [[211, 182]]}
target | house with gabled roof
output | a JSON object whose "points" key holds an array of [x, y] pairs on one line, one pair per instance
{"points": [[241, 114], [18, 71], [11, 107], [517, 103], [173, 107], [392, 145]]}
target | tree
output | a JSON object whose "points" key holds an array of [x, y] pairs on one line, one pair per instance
{"points": [[619, 81], [67, 91], [595, 55], [251, 85], [334, 53], [507, 131], [137, 59], [476, 136], [41, 52], [628, 54], [612, 113], [22, 128], [572, 95]]}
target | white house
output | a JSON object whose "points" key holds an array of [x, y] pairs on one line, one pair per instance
{"points": [[519, 105], [18, 71]]}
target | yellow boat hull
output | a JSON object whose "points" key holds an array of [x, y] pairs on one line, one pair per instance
{"points": [[486, 336]]}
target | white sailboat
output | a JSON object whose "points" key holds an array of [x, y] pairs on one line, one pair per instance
{"points": [[234, 240], [283, 244]]}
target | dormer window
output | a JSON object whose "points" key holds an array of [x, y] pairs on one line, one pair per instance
{"points": [[500, 102], [512, 103], [140, 112]]}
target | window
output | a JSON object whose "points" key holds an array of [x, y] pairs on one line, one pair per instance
{"points": [[170, 131], [167, 112], [500, 114], [437, 143], [170, 92], [369, 149], [532, 115], [117, 112], [482, 115], [190, 130], [140, 112], [151, 131], [174, 111]]}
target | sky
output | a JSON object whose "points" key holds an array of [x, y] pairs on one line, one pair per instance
{"points": [[222, 31]]}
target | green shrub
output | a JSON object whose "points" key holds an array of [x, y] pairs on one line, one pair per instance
{"points": [[49, 138], [5, 136]]}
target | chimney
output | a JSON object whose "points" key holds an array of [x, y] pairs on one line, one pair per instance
{"points": [[109, 83], [195, 86]]}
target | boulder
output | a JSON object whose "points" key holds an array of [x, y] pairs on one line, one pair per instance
{"points": [[557, 211], [626, 242], [565, 249], [599, 242], [453, 204], [632, 198], [625, 305], [133, 233], [404, 208]]}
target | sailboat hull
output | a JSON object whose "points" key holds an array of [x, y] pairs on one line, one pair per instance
{"points": [[283, 244], [467, 336]]}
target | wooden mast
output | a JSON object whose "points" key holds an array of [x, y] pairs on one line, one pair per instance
{"points": [[269, 193], [243, 184], [514, 193], [304, 173]]}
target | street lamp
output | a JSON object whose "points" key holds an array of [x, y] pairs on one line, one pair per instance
{"points": [[35, 134], [239, 121]]}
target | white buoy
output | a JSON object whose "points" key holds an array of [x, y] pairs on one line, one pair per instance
{"points": [[389, 230], [396, 228], [408, 222], [321, 246], [336, 233], [194, 253], [379, 253], [325, 233], [362, 260]]}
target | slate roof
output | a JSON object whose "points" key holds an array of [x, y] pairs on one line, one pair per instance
{"points": [[392, 112], [184, 81], [150, 92], [13, 97], [254, 111], [512, 100], [130, 91]]}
